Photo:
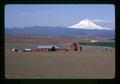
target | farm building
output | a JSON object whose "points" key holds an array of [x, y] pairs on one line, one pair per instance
{"points": [[47, 48], [15, 50], [94, 40], [74, 47]]}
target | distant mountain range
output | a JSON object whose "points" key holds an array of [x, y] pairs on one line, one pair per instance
{"points": [[84, 27], [58, 31]]}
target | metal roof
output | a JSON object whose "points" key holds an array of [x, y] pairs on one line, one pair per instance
{"points": [[47, 46]]}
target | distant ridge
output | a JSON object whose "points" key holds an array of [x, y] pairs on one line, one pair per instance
{"points": [[58, 31]]}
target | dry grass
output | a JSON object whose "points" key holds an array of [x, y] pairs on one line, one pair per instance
{"points": [[91, 63], [54, 39]]}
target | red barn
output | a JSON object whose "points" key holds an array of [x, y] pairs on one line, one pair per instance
{"points": [[74, 47]]}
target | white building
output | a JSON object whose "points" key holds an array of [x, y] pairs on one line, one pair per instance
{"points": [[94, 40]]}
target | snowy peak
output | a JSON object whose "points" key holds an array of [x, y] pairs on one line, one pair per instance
{"points": [[88, 24]]}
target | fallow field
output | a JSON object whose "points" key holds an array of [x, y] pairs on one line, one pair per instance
{"points": [[92, 63]]}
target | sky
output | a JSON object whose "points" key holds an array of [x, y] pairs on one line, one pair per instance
{"points": [[23, 15]]}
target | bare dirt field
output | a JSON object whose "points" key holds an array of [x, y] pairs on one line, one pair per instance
{"points": [[54, 39], [91, 63]]}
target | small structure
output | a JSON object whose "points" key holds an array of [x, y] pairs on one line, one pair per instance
{"points": [[80, 48], [27, 50], [53, 49], [94, 40], [106, 49], [47, 48], [74, 47], [15, 50]]}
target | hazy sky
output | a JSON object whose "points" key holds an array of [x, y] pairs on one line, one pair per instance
{"points": [[20, 15]]}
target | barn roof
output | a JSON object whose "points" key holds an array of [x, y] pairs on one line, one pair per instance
{"points": [[47, 46], [73, 42]]}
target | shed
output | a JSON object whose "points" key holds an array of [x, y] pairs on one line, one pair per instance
{"points": [[47, 47]]}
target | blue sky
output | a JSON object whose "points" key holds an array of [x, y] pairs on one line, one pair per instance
{"points": [[22, 15]]}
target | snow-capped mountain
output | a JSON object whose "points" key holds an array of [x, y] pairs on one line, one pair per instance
{"points": [[85, 27], [88, 24]]}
